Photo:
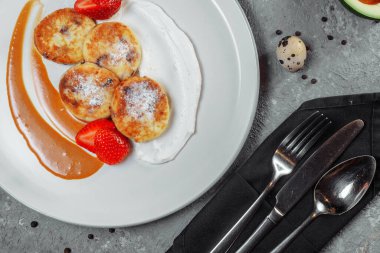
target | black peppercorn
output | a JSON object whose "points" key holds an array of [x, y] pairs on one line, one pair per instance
{"points": [[34, 224]]}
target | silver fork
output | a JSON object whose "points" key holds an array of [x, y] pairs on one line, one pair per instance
{"points": [[291, 150]]}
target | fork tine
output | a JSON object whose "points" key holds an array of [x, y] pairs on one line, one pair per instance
{"points": [[304, 133], [295, 132], [308, 136], [312, 141]]}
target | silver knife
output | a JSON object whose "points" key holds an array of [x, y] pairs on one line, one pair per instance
{"points": [[304, 179]]}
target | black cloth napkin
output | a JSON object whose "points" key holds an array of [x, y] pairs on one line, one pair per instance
{"points": [[242, 188]]}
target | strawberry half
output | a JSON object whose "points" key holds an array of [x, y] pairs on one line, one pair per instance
{"points": [[111, 146], [86, 136], [97, 9]]}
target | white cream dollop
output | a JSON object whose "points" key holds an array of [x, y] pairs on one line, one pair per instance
{"points": [[168, 56]]}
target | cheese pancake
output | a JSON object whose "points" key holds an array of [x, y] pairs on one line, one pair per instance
{"points": [[114, 46], [140, 109], [86, 91], [59, 36]]}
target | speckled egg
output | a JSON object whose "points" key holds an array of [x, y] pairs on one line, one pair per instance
{"points": [[291, 53]]}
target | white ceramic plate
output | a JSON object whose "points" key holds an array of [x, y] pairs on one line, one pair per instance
{"points": [[137, 193]]}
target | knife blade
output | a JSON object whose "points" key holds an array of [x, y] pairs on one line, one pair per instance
{"points": [[315, 166], [304, 179]]}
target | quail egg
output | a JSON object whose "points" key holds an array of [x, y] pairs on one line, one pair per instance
{"points": [[291, 53]]}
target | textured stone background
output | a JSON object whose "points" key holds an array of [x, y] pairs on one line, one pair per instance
{"points": [[339, 69]]}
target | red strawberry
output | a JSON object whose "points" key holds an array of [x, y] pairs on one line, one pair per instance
{"points": [[85, 137], [97, 9], [111, 146]]}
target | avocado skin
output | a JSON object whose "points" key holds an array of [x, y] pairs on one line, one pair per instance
{"points": [[355, 11]]}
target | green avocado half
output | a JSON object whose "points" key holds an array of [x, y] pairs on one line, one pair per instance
{"points": [[371, 11]]}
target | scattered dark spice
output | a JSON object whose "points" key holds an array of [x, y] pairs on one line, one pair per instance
{"points": [[284, 41], [304, 77], [330, 37], [332, 8], [343, 42], [278, 32], [281, 61], [67, 250], [90, 236], [34, 224], [297, 33], [293, 55], [313, 81], [112, 230], [100, 59], [289, 59], [324, 19], [131, 54], [64, 29], [108, 82]]}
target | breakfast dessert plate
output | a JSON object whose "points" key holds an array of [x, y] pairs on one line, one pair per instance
{"points": [[201, 52]]}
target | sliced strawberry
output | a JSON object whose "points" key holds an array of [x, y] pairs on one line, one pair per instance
{"points": [[97, 9], [111, 146], [86, 136]]}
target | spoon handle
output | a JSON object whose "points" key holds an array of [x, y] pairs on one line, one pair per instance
{"points": [[228, 239], [288, 240]]}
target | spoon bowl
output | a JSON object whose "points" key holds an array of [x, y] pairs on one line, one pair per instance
{"points": [[342, 187]]}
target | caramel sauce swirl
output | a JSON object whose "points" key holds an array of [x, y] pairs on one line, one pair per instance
{"points": [[55, 153]]}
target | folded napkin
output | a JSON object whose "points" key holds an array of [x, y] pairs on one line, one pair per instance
{"points": [[243, 187]]}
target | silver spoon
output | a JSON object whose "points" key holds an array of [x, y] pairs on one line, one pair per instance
{"points": [[338, 191]]}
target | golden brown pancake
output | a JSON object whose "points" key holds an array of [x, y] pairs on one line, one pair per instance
{"points": [[87, 90], [140, 109], [114, 46], [59, 36]]}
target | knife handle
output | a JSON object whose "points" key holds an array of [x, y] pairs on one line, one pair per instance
{"points": [[265, 227], [226, 242]]}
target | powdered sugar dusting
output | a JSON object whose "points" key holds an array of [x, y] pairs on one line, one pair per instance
{"points": [[88, 90], [120, 53], [141, 101]]}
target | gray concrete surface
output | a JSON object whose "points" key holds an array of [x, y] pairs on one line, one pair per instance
{"points": [[339, 69]]}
